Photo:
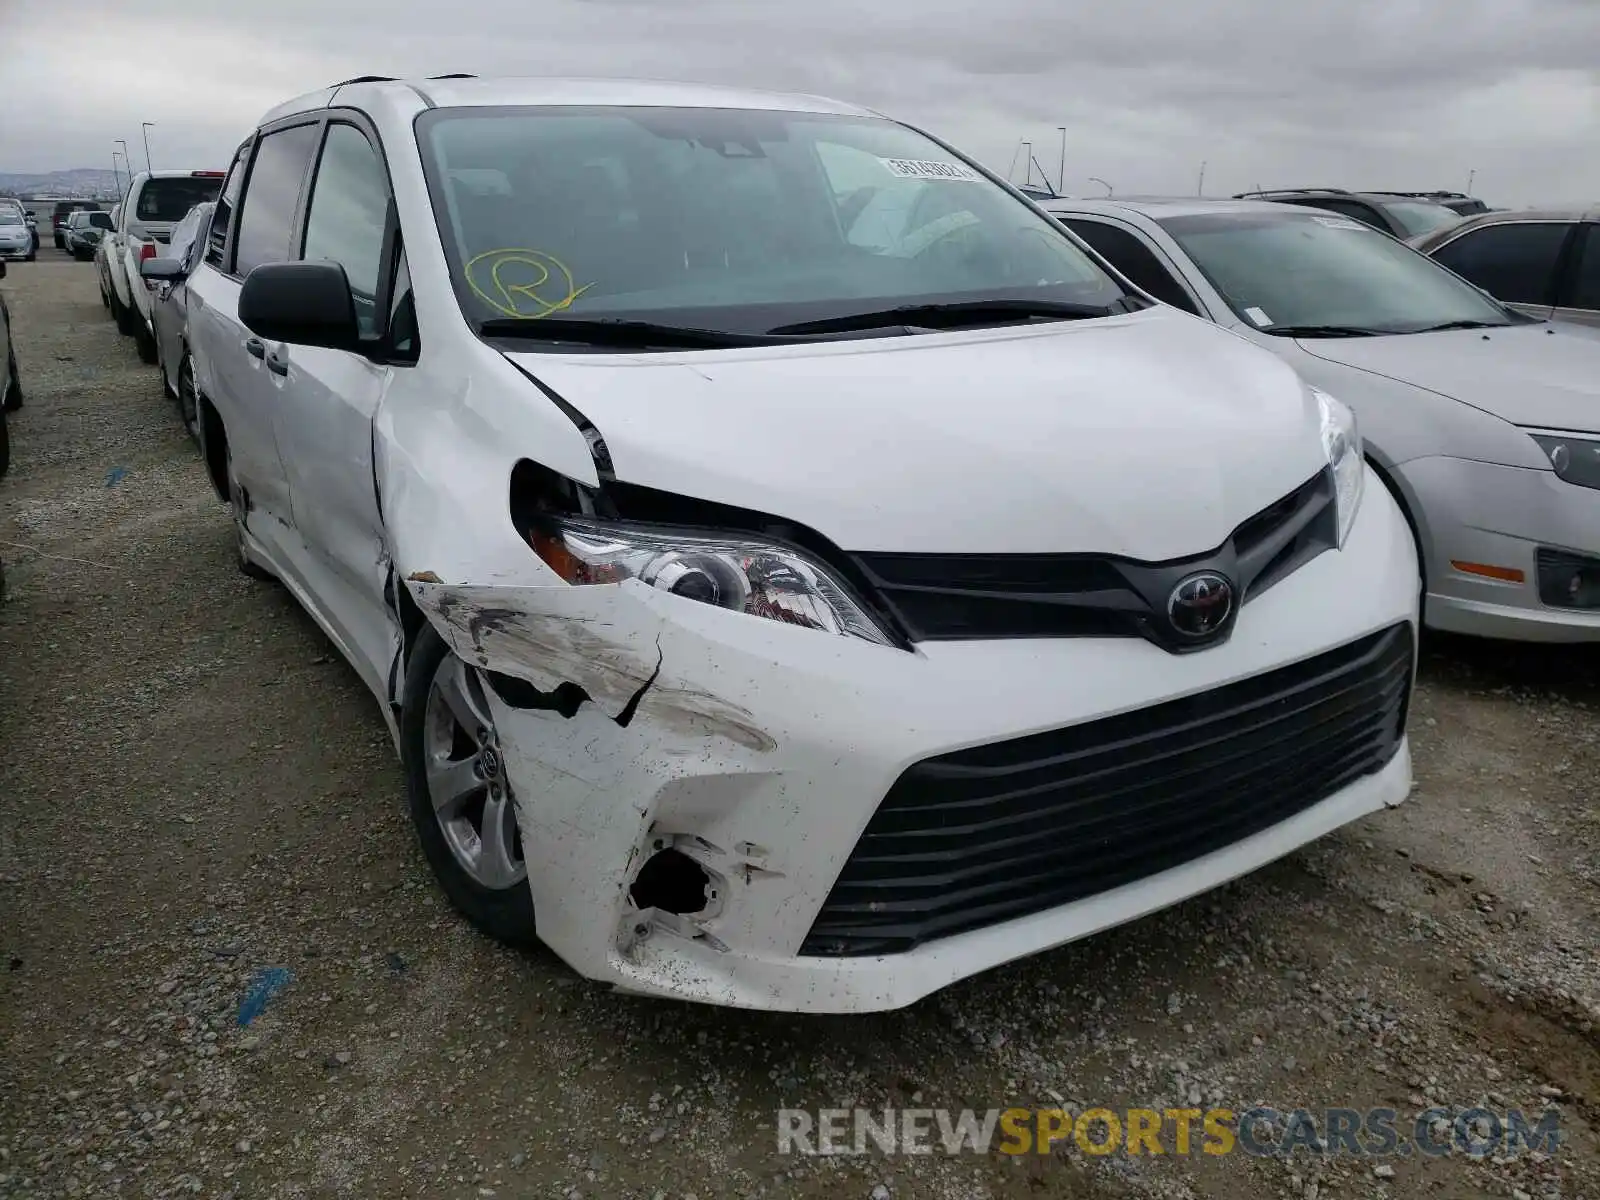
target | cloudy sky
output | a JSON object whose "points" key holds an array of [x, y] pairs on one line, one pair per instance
{"points": [[1404, 94]]}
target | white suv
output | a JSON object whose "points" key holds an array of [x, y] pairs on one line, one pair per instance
{"points": [[795, 573]]}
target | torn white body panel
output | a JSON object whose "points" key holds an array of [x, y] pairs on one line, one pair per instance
{"points": [[760, 751]]}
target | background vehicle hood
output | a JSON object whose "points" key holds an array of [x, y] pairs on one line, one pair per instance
{"points": [[1541, 374], [1151, 435]]}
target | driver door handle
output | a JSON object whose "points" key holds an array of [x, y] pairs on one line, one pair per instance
{"points": [[256, 347], [277, 363]]}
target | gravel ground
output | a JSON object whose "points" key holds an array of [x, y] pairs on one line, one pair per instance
{"points": [[195, 789]]}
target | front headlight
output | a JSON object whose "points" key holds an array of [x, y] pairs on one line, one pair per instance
{"points": [[1341, 442], [733, 572], [1576, 459]]}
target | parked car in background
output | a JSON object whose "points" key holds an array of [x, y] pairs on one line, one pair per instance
{"points": [[59, 214], [104, 252], [155, 202], [169, 308], [83, 232], [10, 381], [16, 239], [1544, 262], [1400, 217], [1485, 422], [1457, 202], [706, 599]]}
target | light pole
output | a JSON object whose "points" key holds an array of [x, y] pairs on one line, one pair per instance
{"points": [[116, 179], [1061, 174], [1200, 188], [126, 160], [1027, 176], [1102, 183], [1471, 175], [145, 128]]}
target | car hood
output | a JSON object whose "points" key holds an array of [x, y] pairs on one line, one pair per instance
{"points": [[1150, 435], [1542, 374]]}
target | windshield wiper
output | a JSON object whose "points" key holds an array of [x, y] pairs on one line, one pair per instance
{"points": [[1444, 325], [601, 331], [1324, 331], [956, 313]]}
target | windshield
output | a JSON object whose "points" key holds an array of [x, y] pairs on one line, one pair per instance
{"points": [[12, 214], [729, 220], [1420, 216], [1290, 268], [170, 199]]}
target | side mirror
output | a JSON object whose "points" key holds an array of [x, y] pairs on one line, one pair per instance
{"points": [[161, 268], [302, 303]]}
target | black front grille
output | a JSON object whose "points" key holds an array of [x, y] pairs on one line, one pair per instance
{"points": [[995, 832], [947, 596]]}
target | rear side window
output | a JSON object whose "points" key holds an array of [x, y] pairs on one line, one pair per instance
{"points": [[1128, 254], [171, 199], [1585, 289], [267, 210], [100, 220], [345, 222], [1515, 262]]}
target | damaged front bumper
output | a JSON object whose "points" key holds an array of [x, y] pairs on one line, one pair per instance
{"points": [[690, 782]]}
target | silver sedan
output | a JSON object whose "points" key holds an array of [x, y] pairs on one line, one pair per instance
{"points": [[1484, 422]]}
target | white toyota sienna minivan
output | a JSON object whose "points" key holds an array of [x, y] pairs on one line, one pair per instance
{"points": [[796, 573]]}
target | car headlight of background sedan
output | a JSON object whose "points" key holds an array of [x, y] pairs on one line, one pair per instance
{"points": [[743, 574], [1341, 441], [1576, 459]]}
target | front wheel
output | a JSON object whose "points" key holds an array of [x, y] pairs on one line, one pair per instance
{"points": [[460, 800], [12, 400], [188, 401], [5, 444], [123, 315], [143, 340]]}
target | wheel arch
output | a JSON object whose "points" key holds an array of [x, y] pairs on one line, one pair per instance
{"points": [[1407, 503], [213, 443]]}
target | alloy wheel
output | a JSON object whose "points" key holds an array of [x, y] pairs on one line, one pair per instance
{"points": [[465, 770]]}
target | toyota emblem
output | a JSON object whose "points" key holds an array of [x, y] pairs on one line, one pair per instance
{"points": [[1200, 605]]}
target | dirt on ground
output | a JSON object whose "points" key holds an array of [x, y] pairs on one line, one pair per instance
{"points": [[225, 969]]}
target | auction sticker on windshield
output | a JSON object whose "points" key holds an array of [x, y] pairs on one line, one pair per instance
{"points": [[1339, 223], [924, 168]]}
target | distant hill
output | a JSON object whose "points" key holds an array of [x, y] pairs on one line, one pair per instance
{"points": [[82, 181]]}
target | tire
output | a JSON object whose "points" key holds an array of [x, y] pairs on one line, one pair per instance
{"points": [[30, 256], [143, 340], [188, 399], [236, 503], [503, 912], [124, 317], [12, 400], [5, 444]]}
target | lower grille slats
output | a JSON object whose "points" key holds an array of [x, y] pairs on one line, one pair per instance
{"points": [[1011, 838], [1004, 830], [978, 805]]}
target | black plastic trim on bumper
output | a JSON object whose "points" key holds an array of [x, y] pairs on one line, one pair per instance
{"points": [[995, 832]]}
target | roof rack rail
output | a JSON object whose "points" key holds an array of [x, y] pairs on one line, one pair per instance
{"points": [[454, 75], [1434, 195], [1294, 191], [363, 79]]}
